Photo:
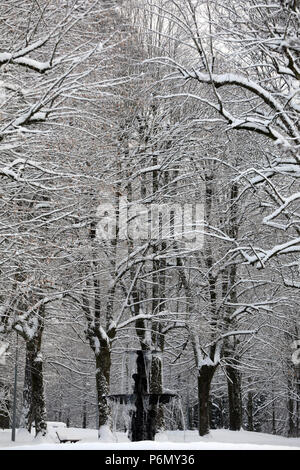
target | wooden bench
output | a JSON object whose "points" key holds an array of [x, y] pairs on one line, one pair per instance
{"points": [[65, 440]]}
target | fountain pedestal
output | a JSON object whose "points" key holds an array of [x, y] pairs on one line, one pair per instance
{"points": [[143, 419]]}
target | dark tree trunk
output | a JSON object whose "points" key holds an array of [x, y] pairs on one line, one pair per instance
{"points": [[156, 387], [84, 415], [158, 297], [37, 411], [27, 417], [234, 398], [297, 400], [293, 389], [103, 364], [290, 409], [205, 376], [273, 416], [250, 424], [68, 418], [34, 405]]}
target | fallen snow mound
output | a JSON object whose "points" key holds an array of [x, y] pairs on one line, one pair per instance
{"points": [[220, 439]]}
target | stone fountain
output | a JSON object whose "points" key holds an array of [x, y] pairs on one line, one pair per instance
{"points": [[143, 417]]}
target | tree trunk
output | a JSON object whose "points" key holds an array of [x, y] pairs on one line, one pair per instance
{"points": [[37, 410], [290, 406], [156, 387], [234, 398], [250, 424], [84, 415], [293, 389], [205, 376], [298, 400], [26, 416], [273, 415], [103, 364], [68, 418]]}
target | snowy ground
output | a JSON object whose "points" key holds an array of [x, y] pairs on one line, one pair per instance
{"points": [[170, 440]]}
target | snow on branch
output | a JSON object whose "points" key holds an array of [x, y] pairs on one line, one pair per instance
{"points": [[292, 246]]}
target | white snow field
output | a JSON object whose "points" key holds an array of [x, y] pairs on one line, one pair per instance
{"points": [[220, 439]]}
